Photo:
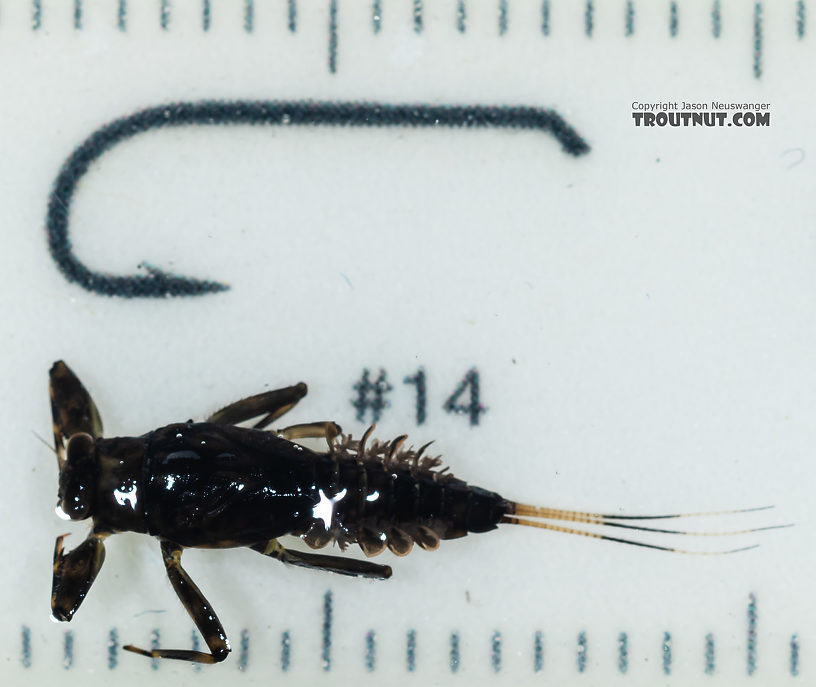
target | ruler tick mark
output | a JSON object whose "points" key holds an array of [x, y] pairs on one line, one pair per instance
{"points": [[502, 17], [538, 652], [77, 15], [291, 15], [326, 631], [800, 19], [794, 655], [581, 658], [454, 652], [495, 651], [673, 19], [68, 650], [666, 650], [629, 21], [623, 653], [461, 16], [545, 17], [757, 40], [196, 647], [418, 23], [155, 643], [410, 651], [709, 654], [121, 15], [333, 36], [376, 15], [205, 15], [716, 19], [113, 646], [243, 656], [589, 13], [36, 15], [249, 15], [370, 651], [164, 15], [752, 635], [286, 651], [25, 655]]}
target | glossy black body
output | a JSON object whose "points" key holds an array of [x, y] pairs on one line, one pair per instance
{"points": [[216, 484], [210, 485]]}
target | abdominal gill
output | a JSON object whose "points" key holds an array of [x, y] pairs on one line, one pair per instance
{"points": [[519, 514]]}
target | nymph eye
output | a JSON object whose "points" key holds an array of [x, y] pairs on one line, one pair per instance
{"points": [[78, 477]]}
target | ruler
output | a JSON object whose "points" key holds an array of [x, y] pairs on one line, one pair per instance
{"points": [[569, 241]]}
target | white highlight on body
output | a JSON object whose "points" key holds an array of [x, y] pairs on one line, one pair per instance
{"points": [[61, 514], [324, 510], [129, 496], [373, 496]]}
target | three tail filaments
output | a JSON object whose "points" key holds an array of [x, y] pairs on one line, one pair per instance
{"points": [[533, 516]]}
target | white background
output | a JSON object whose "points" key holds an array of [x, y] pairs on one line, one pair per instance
{"points": [[642, 319]]}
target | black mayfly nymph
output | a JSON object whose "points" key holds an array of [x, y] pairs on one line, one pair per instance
{"points": [[214, 484]]}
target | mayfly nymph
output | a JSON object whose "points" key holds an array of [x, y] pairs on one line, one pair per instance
{"points": [[214, 484]]}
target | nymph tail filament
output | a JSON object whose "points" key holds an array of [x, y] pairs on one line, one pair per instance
{"points": [[610, 520]]}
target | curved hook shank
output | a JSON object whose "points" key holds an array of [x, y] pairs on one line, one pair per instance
{"points": [[157, 283]]}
